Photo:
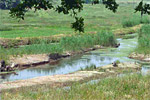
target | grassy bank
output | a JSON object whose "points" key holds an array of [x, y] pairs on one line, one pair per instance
{"points": [[73, 43], [144, 40], [103, 38], [118, 88]]}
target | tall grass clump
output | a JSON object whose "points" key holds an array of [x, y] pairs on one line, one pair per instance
{"points": [[135, 20], [72, 43], [144, 40], [34, 49], [88, 40], [3, 54], [42, 40], [77, 42], [105, 38]]}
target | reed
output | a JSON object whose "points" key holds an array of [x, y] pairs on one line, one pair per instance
{"points": [[80, 42], [135, 20], [144, 40]]}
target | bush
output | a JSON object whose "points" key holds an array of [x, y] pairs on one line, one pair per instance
{"points": [[135, 20], [144, 40], [89, 40], [3, 54]]}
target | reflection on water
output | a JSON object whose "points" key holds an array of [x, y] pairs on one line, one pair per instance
{"points": [[72, 64], [145, 70], [64, 67]]}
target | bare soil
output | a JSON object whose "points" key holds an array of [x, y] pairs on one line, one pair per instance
{"points": [[79, 76], [141, 57]]}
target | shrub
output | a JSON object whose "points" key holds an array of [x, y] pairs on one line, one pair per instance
{"points": [[135, 20], [89, 40], [144, 40]]}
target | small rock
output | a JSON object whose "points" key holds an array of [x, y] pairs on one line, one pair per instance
{"points": [[2, 64], [13, 65], [2, 69], [117, 45], [115, 64], [8, 68], [147, 59], [55, 56]]}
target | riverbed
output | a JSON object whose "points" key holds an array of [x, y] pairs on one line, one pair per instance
{"points": [[99, 58]]}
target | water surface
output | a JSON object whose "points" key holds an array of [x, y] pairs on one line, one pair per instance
{"points": [[99, 58]]}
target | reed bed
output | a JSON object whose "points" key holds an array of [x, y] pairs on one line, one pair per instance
{"points": [[135, 20], [104, 38], [73, 43], [144, 40]]}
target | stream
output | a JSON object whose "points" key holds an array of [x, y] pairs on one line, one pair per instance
{"points": [[99, 58]]}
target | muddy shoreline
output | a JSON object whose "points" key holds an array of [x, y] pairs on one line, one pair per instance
{"points": [[28, 61], [75, 77], [141, 57]]}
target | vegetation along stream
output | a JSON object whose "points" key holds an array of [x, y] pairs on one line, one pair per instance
{"points": [[99, 58]]}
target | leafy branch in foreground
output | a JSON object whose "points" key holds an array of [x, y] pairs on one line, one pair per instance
{"points": [[143, 8], [111, 5]]}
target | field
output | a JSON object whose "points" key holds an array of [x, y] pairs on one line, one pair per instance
{"points": [[129, 87], [46, 32], [48, 23]]}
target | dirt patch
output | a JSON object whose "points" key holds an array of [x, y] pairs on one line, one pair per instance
{"points": [[123, 65], [39, 59], [128, 30], [141, 57], [80, 76], [29, 60], [77, 76], [16, 42]]}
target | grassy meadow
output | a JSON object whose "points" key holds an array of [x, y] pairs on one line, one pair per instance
{"points": [[48, 23], [130, 87], [100, 23]]}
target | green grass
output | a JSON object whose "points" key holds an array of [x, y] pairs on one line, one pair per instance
{"points": [[89, 68], [73, 43], [3, 55], [33, 49], [130, 87], [80, 42], [48, 23], [144, 40], [135, 20]]}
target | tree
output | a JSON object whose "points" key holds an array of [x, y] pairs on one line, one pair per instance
{"points": [[69, 7], [143, 8], [8, 4]]}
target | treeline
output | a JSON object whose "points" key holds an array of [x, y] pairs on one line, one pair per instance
{"points": [[92, 1], [8, 4]]}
